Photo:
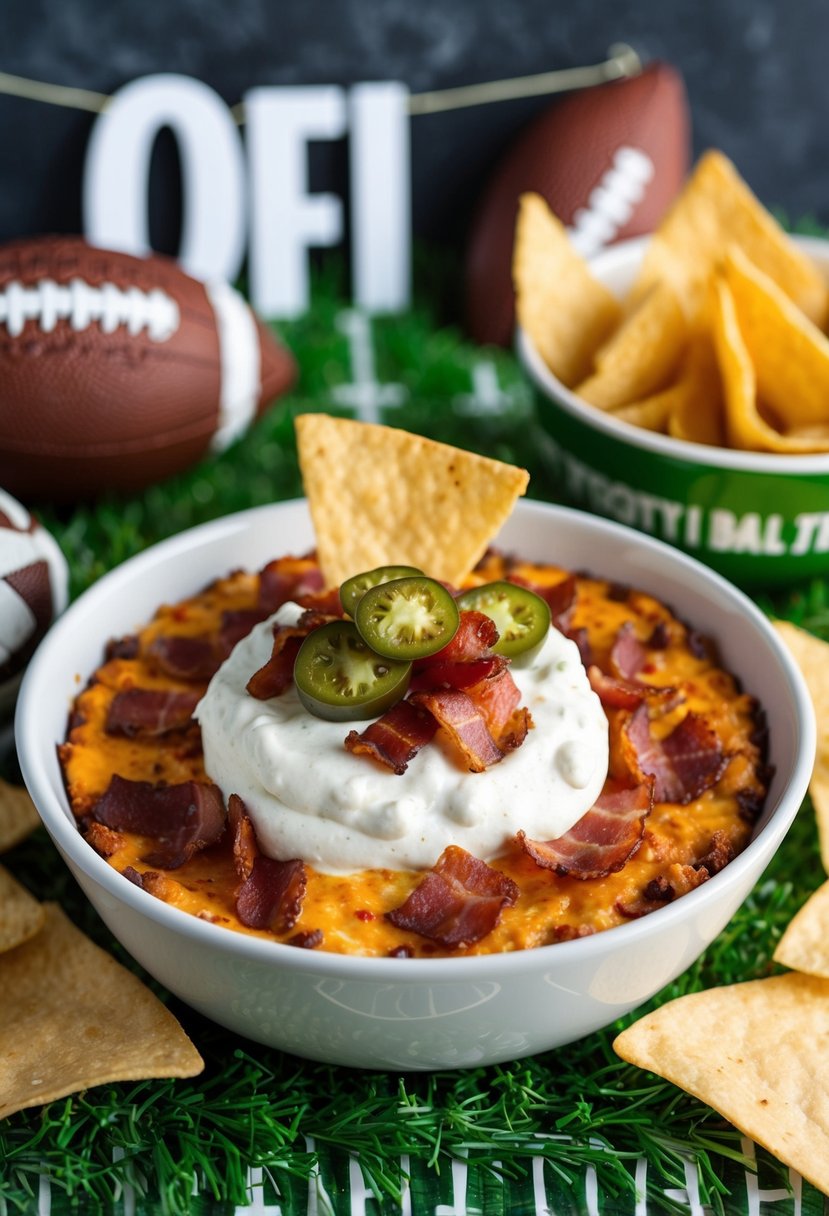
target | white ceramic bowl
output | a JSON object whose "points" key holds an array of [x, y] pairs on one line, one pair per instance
{"points": [[412, 1013], [757, 517]]}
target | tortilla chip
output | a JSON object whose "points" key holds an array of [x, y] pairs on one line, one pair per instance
{"points": [[697, 409], [21, 916], [789, 353], [72, 1018], [380, 496], [717, 209], [18, 816], [805, 944], [641, 356], [651, 414], [745, 427], [756, 1053], [812, 657], [565, 312]]}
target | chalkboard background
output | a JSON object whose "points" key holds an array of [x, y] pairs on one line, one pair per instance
{"points": [[756, 73]]}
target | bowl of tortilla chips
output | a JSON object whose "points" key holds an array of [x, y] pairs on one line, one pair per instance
{"points": [[683, 379], [403, 1012]]}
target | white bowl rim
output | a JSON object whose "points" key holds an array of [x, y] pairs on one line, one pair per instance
{"points": [[611, 259], [60, 824]]}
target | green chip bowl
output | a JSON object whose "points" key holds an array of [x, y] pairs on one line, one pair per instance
{"points": [[755, 517]]}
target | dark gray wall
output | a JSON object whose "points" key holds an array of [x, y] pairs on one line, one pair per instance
{"points": [[756, 72]]}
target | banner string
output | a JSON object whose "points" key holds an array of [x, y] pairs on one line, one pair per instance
{"points": [[622, 61]]}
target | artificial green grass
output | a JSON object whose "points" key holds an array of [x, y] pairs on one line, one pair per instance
{"points": [[590, 1117]]}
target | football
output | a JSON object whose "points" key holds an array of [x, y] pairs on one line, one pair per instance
{"points": [[609, 160], [117, 371], [33, 588]]}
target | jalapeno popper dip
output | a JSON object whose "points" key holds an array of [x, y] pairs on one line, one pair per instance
{"points": [[535, 758]]}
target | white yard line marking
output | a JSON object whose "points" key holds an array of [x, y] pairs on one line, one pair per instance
{"points": [[364, 394]]}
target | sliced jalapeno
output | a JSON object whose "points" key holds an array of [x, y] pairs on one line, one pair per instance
{"points": [[521, 617], [339, 677], [354, 588], [407, 618]]}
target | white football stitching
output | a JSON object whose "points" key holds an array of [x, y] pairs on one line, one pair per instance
{"points": [[82, 305], [611, 203], [239, 360]]}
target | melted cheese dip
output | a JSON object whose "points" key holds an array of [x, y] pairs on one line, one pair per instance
{"points": [[308, 797]]}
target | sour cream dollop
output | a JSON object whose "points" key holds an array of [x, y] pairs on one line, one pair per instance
{"points": [[310, 798]]}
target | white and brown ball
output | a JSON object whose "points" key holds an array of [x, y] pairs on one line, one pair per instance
{"points": [[33, 590], [117, 371]]}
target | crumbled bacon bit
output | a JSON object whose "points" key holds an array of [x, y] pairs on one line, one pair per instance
{"points": [[396, 737], [683, 765], [127, 647], [237, 624], [720, 853], [149, 713], [133, 875], [458, 902], [617, 693], [181, 819], [602, 841], [560, 597], [627, 654], [272, 894], [464, 724], [245, 848], [309, 940], [104, 840], [195, 659], [286, 579]]}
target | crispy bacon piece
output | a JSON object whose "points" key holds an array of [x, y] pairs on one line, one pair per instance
{"points": [[328, 602], [127, 647], [678, 880], [455, 675], [464, 723], [148, 713], [603, 839], [615, 693], [497, 698], [104, 840], [181, 819], [271, 896], [280, 582], [237, 624], [271, 892], [278, 673], [245, 848], [683, 765], [186, 658], [477, 633], [458, 902], [627, 655], [396, 738]]}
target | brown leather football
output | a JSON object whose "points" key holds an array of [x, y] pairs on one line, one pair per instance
{"points": [[609, 160], [117, 371], [33, 587]]}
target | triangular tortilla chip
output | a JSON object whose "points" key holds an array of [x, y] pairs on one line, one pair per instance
{"points": [[380, 496], [71, 1017], [756, 1052], [789, 353], [715, 209], [641, 356], [565, 312], [745, 427], [805, 944], [812, 657], [697, 408], [21, 916], [18, 816]]}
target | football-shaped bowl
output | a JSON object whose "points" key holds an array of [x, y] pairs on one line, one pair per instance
{"points": [[609, 161], [117, 371], [412, 1013], [33, 586]]}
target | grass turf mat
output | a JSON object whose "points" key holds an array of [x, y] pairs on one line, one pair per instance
{"points": [[552, 1132]]}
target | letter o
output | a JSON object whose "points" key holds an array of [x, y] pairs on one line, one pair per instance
{"points": [[117, 167]]}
